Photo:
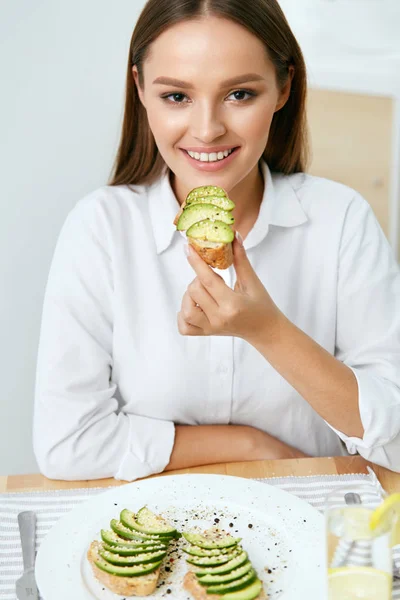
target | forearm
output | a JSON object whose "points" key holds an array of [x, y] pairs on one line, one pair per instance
{"points": [[210, 444], [327, 384]]}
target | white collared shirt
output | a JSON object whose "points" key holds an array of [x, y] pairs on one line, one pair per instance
{"points": [[114, 375]]}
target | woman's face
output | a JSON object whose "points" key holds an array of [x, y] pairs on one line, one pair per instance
{"points": [[202, 111]]}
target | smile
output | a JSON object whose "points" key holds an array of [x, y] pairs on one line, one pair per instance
{"points": [[213, 157]]}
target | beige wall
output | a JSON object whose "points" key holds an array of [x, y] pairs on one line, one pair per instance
{"points": [[351, 138]]}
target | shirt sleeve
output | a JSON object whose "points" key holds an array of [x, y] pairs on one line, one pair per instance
{"points": [[80, 431], [368, 333]]}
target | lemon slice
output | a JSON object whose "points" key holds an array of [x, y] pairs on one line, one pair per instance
{"points": [[366, 583], [387, 516]]}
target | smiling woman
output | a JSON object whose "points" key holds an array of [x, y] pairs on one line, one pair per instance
{"points": [[207, 106], [149, 359]]}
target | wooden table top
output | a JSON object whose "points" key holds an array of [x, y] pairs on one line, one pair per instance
{"points": [[265, 468]]}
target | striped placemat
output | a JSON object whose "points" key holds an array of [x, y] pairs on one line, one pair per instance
{"points": [[50, 506]]}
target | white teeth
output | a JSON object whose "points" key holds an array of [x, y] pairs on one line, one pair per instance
{"points": [[213, 157]]}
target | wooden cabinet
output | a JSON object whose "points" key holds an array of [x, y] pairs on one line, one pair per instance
{"points": [[351, 142]]}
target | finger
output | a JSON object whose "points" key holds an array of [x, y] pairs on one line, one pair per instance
{"points": [[246, 277], [199, 295], [213, 282], [192, 314], [187, 329]]}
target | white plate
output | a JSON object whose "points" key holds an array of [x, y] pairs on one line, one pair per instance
{"points": [[286, 536]]}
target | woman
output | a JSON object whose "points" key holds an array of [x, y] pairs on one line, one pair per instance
{"points": [[293, 351]]}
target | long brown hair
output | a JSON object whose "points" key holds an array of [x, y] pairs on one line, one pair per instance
{"points": [[138, 160]]}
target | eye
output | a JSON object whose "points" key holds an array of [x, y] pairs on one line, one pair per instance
{"points": [[239, 95], [177, 98]]}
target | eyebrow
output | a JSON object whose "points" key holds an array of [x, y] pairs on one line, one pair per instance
{"points": [[189, 86]]}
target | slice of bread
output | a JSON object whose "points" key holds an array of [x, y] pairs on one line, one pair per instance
{"points": [[216, 254], [191, 584], [144, 585]]}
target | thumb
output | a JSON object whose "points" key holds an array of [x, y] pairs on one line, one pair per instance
{"points": [[246, 277]]}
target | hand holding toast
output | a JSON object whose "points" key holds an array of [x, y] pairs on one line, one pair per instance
{"points": [[210, 307]]}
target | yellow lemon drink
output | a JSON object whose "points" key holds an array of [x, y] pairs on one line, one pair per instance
{"points": [[359, 555]]}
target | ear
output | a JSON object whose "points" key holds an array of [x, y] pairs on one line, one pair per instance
{"points": [[285, 91], [135, 75]]}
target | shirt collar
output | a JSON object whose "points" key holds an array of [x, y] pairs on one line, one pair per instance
{"points": [[163, 207], [280, 207]]}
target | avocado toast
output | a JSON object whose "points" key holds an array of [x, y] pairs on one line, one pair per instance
{"points": [[128, 559], [219, 568], [206, 216]]}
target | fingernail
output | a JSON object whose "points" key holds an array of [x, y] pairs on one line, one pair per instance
{"points": [[239, 238], [186, 249]]}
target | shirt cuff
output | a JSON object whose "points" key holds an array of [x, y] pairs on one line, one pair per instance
{"points": [[379, 405], [149, 450]]}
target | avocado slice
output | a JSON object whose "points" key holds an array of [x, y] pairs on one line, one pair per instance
{"points": [[250, 592], [211, 231], [211, 579], [129, 534], [198, 212], [126, 561], [197, 551], [214, 538], [233, 586], [139, 550], [206, 190], [232, 564], [132, 571], [146, 518], [148, 523], [213, 561], [221, 201], [112, 539]]}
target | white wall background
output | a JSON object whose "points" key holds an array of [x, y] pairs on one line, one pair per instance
{"points": [[62, 66]]}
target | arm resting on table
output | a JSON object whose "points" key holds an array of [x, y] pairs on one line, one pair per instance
{"points": [[79, 431], [210, 444]]}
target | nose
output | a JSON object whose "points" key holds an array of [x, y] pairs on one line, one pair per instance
{"points": [[207, 123]]}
